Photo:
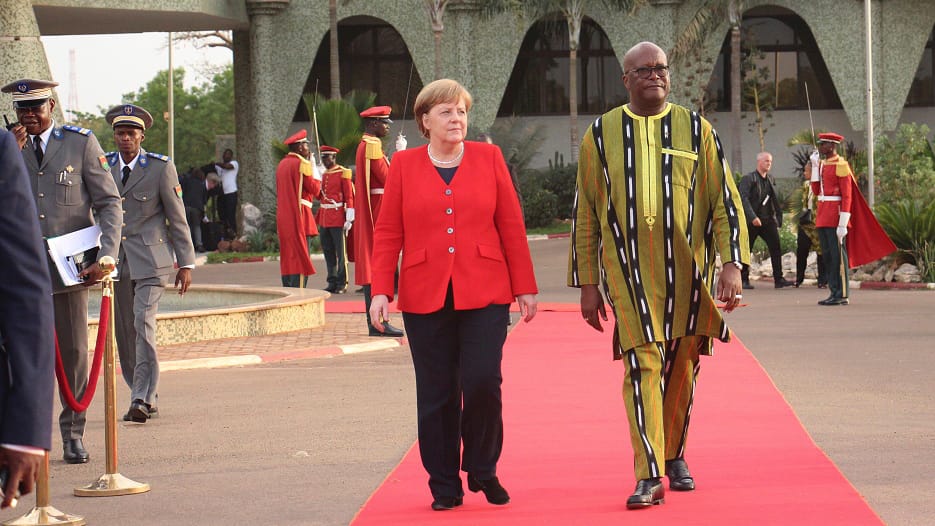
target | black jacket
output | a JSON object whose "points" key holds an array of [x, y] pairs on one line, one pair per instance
{"points": [[759, 198]]}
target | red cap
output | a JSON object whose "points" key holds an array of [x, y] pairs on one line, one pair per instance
{"points": [[329, 149], [299, 136], [377, 112], [830, 137]]}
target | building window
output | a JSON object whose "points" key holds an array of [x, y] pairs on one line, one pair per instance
{"points": [[539, 82], [922, 91], [373, 57], [788, 57]]}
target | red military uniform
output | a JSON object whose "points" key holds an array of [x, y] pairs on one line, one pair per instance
{"points": [[294, 183], [372, 171], [337, 195], [834, 191]]}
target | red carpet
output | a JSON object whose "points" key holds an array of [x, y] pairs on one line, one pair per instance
{"points": [[345, 307], [567, 459]]}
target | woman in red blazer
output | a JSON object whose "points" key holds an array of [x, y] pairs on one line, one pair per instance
{"points": [[452, 209]]}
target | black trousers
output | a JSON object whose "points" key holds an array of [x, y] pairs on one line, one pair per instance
{"points": [[332, 246], [456, 355], [803, 245], [769, 231], [228, 212]]}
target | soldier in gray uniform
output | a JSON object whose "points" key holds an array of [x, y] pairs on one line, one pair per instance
{"points": [[154, 229], [70, 180]]}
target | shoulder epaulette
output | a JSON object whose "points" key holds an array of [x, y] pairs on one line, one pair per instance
{"points": [[842, 169], [77, 129], [346, 173], [163, 158], [112, 158], [374, 148]]}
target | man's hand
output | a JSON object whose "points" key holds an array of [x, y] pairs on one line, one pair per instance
{"points": [[401, 142], [729, 288], [22, 470], [592, 306], [841, 232], [814, 158], [347, 226], [19, 131], [183, 279], [756, 222], [91, 275]]}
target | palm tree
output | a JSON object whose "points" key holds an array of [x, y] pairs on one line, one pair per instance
{"points": [[706, 20], [573, 13], [436, 11]]}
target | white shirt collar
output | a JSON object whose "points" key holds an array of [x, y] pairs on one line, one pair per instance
{"points": [[132, 163], [44, 136]]}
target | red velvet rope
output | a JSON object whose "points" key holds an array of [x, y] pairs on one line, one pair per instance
{"points": [[63, 385]]}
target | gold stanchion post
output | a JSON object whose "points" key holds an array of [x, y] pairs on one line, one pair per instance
{"points": [[43, 513], [111, 483]]}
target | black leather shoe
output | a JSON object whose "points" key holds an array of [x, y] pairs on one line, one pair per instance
{"points": [[74, 452], [330, 289], [139, 411], [446, 503], [388, 330], [835, 301], [747, 285], [798, 283], [492, 489], [649, 492], [342, 290], [826, 300], [783, 283], [680, 479]]}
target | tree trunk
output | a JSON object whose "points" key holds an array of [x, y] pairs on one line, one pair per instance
{"points": [[438, 55], [735, 96], [573, 102], [335, 65]]}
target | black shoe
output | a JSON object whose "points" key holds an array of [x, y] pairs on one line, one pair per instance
{"points": [[747, 285], [359, 291], [139, 412], [388, 330], [680, 479], [783, 283], [492, 489], [834, 301], [798, 283], [74, 452], [446, 503], [330, 289], [342, 290], [822, 285], [649, 492], [826, 300]]}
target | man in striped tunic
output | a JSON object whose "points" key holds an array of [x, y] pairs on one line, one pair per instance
{"points": [[655, 202]]}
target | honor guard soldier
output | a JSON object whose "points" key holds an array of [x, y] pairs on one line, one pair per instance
{"points": [[840, 207], [68, 173], [335, 217], [155, 237], [296, 187], [372, 170]]}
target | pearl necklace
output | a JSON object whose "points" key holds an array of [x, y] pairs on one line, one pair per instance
{"points": [[452, 161]]}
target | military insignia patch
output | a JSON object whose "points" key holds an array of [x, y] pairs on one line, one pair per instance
{"points": [[104, 164], [69, 168], [178, 191]]}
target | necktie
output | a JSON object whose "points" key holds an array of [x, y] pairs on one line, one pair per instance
{"points": [[126, 175], [39, 154]]}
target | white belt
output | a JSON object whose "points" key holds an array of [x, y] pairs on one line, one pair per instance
{"points": [[376, 191], [829, 198], [332, 206], [305, 202]]}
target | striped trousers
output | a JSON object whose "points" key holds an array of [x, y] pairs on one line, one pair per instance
{"points": [[658, 391]]}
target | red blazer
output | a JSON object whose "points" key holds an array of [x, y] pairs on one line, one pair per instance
{"points": [[469, 232]]}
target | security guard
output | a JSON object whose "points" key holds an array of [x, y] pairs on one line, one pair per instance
{"points": [[335, 217], [68, 174], [154, 228]]}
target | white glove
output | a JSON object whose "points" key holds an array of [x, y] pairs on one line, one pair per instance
{"points": [[401, 142], [349, 215], [317, 170], [841, 231], [814, 158], [347, 226]]}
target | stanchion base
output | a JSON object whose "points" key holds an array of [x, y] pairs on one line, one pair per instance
{"points": [[112, 485], [46, 515]]}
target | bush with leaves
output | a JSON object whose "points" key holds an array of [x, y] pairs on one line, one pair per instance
{"points": [[540, 207], [911, 226], [905, 166]]}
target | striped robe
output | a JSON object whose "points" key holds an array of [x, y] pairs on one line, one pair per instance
{"points": [[673, 202]]}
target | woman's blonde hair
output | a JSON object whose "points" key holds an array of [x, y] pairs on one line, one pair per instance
{"points": [[439, 92]]}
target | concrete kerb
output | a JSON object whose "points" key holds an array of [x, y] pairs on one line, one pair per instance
{"points": [[241, 360]]}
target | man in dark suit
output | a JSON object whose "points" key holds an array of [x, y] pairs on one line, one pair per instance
{"points": [[72, 190], [26, 351], [154, 230], [764, 216], [195, 189]]}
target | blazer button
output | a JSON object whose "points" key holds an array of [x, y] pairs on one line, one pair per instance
{"points": [[451, 230], [451, 250], [448, 211], [124, 238], [41, 194], [40, 173], [447, 191], [41, 216]]}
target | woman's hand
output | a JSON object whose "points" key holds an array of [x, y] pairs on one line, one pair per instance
{"points": [[527, 306], [379, 311]]}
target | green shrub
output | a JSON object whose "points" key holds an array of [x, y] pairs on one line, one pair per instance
{"points": [[905, 166], [540, 206], [911, 226]]}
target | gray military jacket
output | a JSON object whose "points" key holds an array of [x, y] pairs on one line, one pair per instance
{"points": [[71, 184], [152, 198]]}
